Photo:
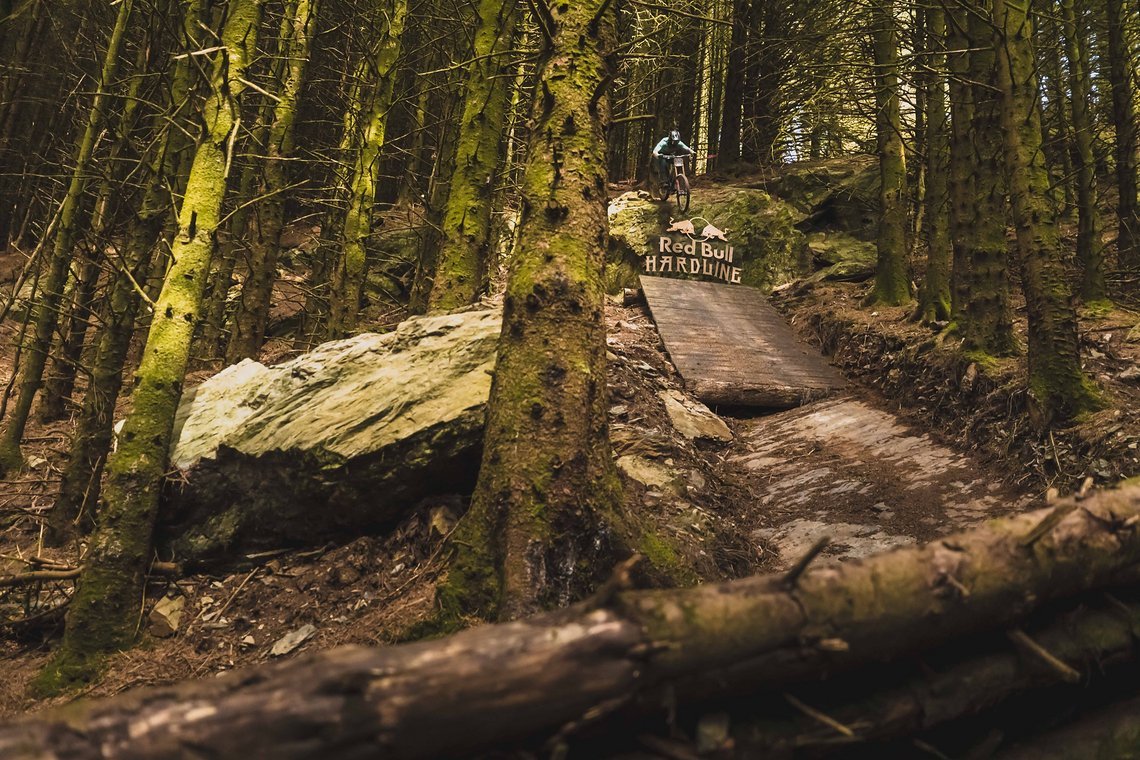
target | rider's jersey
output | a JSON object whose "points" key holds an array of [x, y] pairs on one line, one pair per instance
{"points": [[661, 146]]}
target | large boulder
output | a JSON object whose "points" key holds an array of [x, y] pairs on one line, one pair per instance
{"points": [[850, 205], [841, 257], [761, 229], [339, 441], [806, 184], [635, 223]]}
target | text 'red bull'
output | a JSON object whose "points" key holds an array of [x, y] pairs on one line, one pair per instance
{"points": [[694, 257]]}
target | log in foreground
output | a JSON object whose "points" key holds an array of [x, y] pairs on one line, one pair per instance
{"points": [[500, 685]]}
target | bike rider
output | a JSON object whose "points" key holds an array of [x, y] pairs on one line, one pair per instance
{"points": [[670, 145]]}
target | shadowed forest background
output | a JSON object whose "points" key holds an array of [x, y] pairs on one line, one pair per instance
{"points": [[435, 212]]}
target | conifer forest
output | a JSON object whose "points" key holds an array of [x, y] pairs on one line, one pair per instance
{"points": [[633, 379]]}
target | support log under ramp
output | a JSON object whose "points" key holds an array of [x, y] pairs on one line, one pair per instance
{"points": [[621, 654]]}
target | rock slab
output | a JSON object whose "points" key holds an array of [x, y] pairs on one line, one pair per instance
{"points": [[341, 440]]}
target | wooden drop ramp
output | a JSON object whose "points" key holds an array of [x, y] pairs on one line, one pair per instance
{"points": [[732, 348]]}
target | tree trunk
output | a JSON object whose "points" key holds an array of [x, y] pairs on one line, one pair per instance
{"points": [[103, 613], [60, 380], [626, 654], [1121, 75], [265, 244], [1056, 381], [980, 279], [892, 284], [1089, 252], [734, 85], [532, 536], [935, 295], [465, 243], [80, 484], [349, 272], [47, 309]]}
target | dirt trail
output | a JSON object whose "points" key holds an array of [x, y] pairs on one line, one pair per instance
{"points": [[846, 468]]}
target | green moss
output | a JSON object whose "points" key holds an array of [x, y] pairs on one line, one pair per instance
{"points": [[65, 673], [987, 363], [1097, 309], [11, 460], [665, 559]]}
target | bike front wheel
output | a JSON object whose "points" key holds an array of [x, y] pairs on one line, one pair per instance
{"points": [[682, 187]]}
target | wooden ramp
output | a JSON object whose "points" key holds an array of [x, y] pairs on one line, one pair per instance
{"points": [[732, 348]]}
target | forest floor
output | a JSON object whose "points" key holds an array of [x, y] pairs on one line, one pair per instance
{"points": [[924, 442], [847, 467]]}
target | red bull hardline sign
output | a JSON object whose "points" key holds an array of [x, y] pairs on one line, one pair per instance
{"points": [[696, 253]]}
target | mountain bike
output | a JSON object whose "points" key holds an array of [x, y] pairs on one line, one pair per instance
{"points": [[677, 183]]}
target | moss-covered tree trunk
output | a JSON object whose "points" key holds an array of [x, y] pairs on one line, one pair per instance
{"points": [[1090, 253], [52, 285], [980, 280], [81, 480], [892, 284], [59, 380], [298, 29], [961, 153], [104, 611], [349, 270], [466, 229], [935, 291], [80, 484], [1122, 79], [535, 533], [729, 143], [1056, 380], [209, 341], [60, 383]]}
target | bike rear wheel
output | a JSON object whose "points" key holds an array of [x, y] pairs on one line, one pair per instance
{"points": [[682, 188]]}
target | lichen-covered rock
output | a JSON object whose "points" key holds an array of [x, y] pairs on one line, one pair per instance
{"points": [[339, 441], [806, 184], [851, 205], [841, 257], [768, 247], [635, 223], [761, 229]]}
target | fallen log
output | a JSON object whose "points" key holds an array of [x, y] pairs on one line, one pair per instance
{"points": [[1110, 732], [1094, 637], [525, 682]]}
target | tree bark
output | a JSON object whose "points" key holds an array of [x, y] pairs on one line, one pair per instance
{"points": [[935, 292], [1087, 641], [734, 85], [80, 484], [1121, 76], [892, 284], [47, 309], [466, 229], [351, 265], [623, 653], [103, 613], [299, 29], [1089, 251], [982, 311], [1056, 380], [547, 485]]}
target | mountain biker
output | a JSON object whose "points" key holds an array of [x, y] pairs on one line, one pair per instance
{"points": [[670, 145]]}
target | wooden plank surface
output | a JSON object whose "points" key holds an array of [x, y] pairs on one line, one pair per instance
{"points": [[732, 347]]}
